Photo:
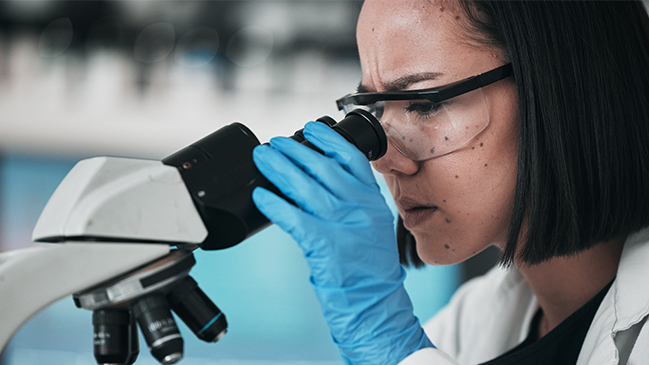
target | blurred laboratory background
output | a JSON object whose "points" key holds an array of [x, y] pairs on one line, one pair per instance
{"points": [[144, 79]]}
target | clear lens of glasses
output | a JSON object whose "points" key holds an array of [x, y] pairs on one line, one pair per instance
{"points": [[421, 129]]}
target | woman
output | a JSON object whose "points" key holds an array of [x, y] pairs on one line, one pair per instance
{"points": [[544, 154]]}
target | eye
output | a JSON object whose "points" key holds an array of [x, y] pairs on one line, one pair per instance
{"points": [[425, 109]]}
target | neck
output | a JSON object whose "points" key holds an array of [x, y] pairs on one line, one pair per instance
{"points": [[564, 284]]}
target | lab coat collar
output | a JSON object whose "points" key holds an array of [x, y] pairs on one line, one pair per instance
{"points": [[630, 288], [625, 304]]}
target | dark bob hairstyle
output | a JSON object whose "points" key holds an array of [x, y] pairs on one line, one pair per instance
{"points": [[582, 72]]}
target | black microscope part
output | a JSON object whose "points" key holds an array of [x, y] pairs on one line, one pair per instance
{"points": [[220, 174], [198, 312], [115, 337], [159, 328]]}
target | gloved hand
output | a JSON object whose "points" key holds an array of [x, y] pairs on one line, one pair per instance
{"points": [[346, 231]]}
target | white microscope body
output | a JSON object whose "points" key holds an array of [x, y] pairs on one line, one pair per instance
{"points": [[96, 216], [121, 234]]}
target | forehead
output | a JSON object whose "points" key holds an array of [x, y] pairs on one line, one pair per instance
{"points": [[401, 37], [386, 15]]}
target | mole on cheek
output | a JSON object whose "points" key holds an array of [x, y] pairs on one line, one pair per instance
{"points": [[447, 220], [447, 247]]}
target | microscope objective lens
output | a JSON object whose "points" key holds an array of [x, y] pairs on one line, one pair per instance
{"points": [[159, 328], [115, 337], [198, 312]]}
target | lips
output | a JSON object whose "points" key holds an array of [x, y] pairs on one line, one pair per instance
{"points": [[414, 213]]}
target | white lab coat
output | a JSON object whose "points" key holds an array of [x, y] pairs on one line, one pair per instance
{"points": [[492, 314]]}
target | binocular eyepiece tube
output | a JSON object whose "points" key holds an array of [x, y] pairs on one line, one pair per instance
{"points": [[220, 174]]}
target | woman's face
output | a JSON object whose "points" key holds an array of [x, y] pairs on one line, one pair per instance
{"points": [[460, 203]]}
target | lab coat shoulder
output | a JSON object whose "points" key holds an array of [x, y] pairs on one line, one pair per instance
{"points": [[619, 333], [499, 303]]}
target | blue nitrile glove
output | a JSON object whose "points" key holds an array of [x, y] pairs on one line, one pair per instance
{"points": [[346, 231]]}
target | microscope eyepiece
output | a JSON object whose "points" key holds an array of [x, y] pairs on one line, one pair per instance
{"points": [[159, 328], [363, 130], [359, 128]]}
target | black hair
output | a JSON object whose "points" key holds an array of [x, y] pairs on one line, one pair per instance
{"points": [[407, 245], [582, 73]]}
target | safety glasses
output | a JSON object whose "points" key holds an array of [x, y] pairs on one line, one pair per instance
{"points": [[424, 124]]}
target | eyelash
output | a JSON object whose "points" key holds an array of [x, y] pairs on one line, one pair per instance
{"points": [[425, 109]]}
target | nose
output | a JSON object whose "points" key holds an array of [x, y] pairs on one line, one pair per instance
{"points": [[394, 163]]}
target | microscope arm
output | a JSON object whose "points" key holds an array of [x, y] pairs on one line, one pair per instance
{"points": [[108, 217], [35, 277]]}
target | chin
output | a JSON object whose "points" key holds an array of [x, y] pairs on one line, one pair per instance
{"points": [[441, 259], [438, 255], [445, 252]]}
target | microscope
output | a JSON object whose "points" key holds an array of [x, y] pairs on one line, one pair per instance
{"points": [[118, 235]]}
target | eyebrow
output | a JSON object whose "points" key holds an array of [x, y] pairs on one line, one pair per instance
{"points": [[403, 82]]}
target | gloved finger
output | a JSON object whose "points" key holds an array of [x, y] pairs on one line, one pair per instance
{"points": [[295, 183], [337, 147], [288, 217], [326, 170]]}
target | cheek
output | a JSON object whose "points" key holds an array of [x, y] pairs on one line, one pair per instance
{"points": [[474, 189], [472, 215]]}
